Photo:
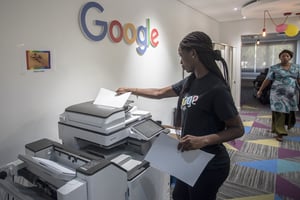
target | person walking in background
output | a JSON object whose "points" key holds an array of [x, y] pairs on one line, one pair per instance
{"points": [[206, 113], [284, 94]]}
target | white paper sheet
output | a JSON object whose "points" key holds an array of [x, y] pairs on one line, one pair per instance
{"points": [[186, 166], [54, 165], [110, 98]]}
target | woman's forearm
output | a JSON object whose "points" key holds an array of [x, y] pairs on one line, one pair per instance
{"points": [[154, 93], [265, 83]]}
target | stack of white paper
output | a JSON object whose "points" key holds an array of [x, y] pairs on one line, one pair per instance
{"points": [[110, 98], [54, 165]]}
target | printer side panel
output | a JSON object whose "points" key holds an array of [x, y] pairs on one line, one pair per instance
{"points": [[149, 185], [109, 183], [74, 189], [68, 137]]}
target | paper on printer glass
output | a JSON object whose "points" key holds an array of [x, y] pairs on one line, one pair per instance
{"points": [[110, 98]]}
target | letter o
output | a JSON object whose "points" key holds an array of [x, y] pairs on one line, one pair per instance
{"points": [[129, 27], [118, 25]]}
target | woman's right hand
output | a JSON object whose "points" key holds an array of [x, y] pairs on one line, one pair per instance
{"points": [[191, 142], [122, 90]]}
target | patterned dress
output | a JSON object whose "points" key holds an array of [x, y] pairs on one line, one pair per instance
{"points": [[284, 94]]}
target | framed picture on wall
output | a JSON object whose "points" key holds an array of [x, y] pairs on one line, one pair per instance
{"points": [[33, 59], [38, 60]]}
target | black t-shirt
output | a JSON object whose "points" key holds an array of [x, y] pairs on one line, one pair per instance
{"points": [[205, 107]]}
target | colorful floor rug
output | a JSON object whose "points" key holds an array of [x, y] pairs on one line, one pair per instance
{"points": [[261, 167]]}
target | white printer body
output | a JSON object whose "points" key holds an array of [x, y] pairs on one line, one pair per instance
{"points": [[101, 158]]}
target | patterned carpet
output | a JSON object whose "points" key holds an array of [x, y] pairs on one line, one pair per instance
{"points": [[263, 168]]}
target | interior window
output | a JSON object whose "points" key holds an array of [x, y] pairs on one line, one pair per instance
{"points": [[257, 56]]}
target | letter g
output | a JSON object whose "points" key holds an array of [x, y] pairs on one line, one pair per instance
{"points": [[83, 25]]}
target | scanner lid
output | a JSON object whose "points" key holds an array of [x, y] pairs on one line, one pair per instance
{"points": [[89, 108]]}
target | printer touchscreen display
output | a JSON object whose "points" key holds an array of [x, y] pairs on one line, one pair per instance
{"points": [[148, 128]]}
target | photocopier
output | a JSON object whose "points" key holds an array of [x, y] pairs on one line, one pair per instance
{"points": [[100, 157]]}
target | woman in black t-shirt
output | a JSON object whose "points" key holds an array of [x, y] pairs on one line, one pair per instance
{"points": [[206, 113]]}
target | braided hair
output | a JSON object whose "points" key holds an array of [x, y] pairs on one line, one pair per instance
{"points": [[203, 46], [207, 55]]}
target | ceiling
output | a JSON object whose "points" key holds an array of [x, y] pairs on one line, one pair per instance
{"points": [[231, 10]]}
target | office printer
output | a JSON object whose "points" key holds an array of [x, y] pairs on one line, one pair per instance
{"points": [[49, 170], [84, 125], [101, 158], [120, 135]]}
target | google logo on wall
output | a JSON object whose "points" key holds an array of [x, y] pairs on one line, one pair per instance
{"points": [[144, 36]]}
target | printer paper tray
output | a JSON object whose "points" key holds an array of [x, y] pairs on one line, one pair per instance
{"points": [[19, 192], [68, 133]]}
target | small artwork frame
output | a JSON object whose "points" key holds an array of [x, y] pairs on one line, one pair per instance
{"points": [[38, 60]]}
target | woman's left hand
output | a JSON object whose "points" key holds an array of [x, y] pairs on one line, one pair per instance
{"points": [[190, 142]]}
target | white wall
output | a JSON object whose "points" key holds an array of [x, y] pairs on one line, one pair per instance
{"points": [[31, 102]]}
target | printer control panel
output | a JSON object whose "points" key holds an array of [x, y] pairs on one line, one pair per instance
{"points": [[146, 129]]}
